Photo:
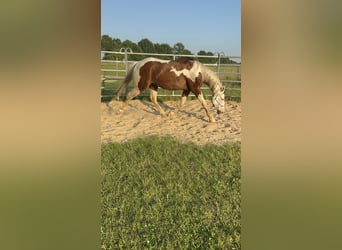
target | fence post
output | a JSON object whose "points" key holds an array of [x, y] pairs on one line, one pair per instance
{"points": [[126, 50], [219, 54]]}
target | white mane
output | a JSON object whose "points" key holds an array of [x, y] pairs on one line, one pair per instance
{"points": [[211, 79]]}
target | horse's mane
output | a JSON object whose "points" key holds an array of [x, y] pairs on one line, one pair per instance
{"points": [[210, 78], [184, 59]]}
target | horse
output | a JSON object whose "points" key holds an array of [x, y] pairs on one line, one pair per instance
{"points": [[180, 74]]}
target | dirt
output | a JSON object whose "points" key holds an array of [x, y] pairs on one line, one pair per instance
{"points": [[188, 124]]}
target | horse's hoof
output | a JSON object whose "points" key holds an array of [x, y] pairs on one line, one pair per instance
{"points": [[171, 114], [110, 110], [212, 120]]}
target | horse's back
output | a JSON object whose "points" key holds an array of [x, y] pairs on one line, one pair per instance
{"points": [[152, 59]]}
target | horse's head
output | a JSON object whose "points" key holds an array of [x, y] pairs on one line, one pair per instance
{"points": [[218, 100]]}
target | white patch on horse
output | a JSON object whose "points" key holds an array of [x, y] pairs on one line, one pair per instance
{"points": [[192, 74], [152, 59]]}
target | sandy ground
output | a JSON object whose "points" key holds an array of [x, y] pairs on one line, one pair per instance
{"points": [[189, 124]]}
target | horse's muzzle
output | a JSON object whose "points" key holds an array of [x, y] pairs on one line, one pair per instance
{"points": [[219, 112]]}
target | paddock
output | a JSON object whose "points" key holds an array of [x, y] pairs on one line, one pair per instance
{"points": [[189, 124]]}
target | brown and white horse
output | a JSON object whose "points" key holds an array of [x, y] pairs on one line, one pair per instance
{"points": [[181, 74]]}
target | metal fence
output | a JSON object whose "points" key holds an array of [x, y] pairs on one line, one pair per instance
{"points": [[114, 66]]}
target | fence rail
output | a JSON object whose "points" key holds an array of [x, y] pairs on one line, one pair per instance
{"points": [[114, 69]]}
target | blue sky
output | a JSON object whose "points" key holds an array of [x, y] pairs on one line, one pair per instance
{"points": [[213, 25]]}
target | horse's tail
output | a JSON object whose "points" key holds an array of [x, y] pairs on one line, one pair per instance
{"points": [[127, 79]]}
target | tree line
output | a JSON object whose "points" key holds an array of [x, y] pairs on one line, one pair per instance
{"points": [[146, 46]]}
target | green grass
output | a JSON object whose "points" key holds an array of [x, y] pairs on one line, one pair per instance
{"points": [[158, 193]]}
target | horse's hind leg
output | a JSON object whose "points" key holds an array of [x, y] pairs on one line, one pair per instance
{"points": [[182, 102], [183, 99], [133, 93], [153, 97]]}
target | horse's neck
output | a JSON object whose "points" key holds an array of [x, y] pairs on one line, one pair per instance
{"points": [[215, 88], [211, 80]]}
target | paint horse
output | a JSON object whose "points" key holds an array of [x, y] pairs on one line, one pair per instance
{"points": [[181, 74]]}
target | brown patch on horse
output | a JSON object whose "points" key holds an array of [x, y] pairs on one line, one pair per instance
{"points": [[195, 87], [146, 72], [182, 63]]}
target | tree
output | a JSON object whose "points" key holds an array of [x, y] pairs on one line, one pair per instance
{"points": [[135, 48], [186, 52], [204, 59], [147, 46], [110, 44], [163, 48], [106, 43], [116, 44], [178, 48], [227, 61]]}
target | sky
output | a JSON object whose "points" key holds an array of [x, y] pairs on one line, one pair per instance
{"points": [[213, 25]]}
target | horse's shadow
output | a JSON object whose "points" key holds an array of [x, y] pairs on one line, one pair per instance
{"points": [[193, 114], [110, 108], [150, 108]]}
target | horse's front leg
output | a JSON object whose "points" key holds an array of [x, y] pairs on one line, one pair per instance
{"points": [[204, 104], [153, 97]]}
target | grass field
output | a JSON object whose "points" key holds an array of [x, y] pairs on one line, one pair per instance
{"points": [[158, 193]]}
